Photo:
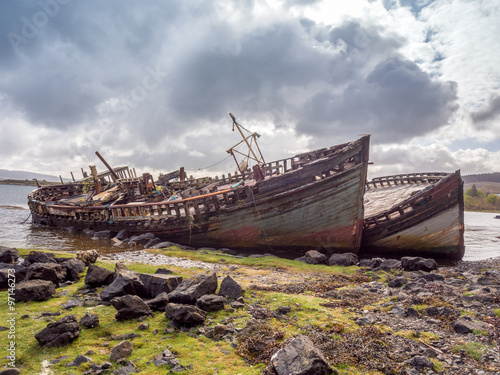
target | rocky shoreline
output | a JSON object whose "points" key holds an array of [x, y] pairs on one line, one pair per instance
{"points": [[404, 316]]}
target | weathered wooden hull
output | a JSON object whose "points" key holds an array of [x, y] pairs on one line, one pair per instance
{"points": [[318, 206], [429, 223]]}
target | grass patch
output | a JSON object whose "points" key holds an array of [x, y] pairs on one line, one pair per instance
{"points": [[497, 312], [474, 350]]}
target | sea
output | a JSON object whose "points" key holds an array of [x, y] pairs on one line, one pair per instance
{"points": [[482, 230]]}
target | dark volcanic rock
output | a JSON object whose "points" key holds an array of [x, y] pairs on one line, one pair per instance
{"points": [[73, 268], [40, 257], [46, 271], [8, 255], [389, 265], [34, 290], [59, 333], [465, 326], [417, 264], [192, 288], [300, 357], [98, 276], [121, 351], [159, 302], [130, 307], [185, 314], [345, 259], [102, 234], [79, 360], [371, 263], [211, 302], [420, 362], [89, 320], [141, 239], [126, 282], [315, 257], [159, 283], [230, 288], [6, 275]]}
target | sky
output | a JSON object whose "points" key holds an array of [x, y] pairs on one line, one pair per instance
{"points": [[150, 84]]}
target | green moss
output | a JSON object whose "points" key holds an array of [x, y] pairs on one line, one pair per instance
{"points": [[497, 312], [474, 350]]}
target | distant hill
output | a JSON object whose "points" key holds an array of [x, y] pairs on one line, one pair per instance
{"points": [[5, 174], [483, 177]]}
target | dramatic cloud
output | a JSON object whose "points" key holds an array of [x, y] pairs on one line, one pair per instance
{"points": [[151, 84]]}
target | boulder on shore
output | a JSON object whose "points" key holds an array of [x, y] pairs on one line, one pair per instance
{"points": [[192, 288], [98, 276], [159, 283], [130, 307], [8, 255], [60, 332], [46, 271], [300, 357], [315, 257], [40, 257], [34, 290], [126, 282], [230, 288], [185, 314], [344, 259]]}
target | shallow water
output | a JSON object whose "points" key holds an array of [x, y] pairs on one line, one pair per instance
{"points": [[482, 230]]}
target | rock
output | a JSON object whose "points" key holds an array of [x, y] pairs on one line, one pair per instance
{"points": [[159, 302], [130, 307], [122, 235], [102, 234], [218, 332], [389, 265], [72, 303], [418, 263], [399, 311], [211, 302], [40, 257], [73, 268], [143, 327], [371, 263], [397, 282], [163, 271], [126, 282], [192, 288], [185, 314], [87, 256], [59, 333], [89, 320], [121, 351], [7, 276], [151, 243], [364, 320], [166, 358], [98, 276], [159, 283], [300, 357], [46, 271], [80, 359], [10, 371], [283, 310], [465, 326], [411, 312], [345, 259], [163, 245], [141, 239], [35, 290], [230, 288], [315, 257], [420, 362], [8, 255]]}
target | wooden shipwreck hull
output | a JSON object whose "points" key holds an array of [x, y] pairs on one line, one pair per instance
{"points": [[420, 214], [311, 201]]}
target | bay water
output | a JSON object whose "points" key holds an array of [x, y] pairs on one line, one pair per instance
{"points": [[482, 230]]}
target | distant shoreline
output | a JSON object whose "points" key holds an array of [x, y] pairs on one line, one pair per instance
{"points": [[27, 182]]}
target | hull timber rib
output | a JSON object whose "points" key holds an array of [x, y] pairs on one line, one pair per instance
{"points": [[425, 215], [310, 201]]}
